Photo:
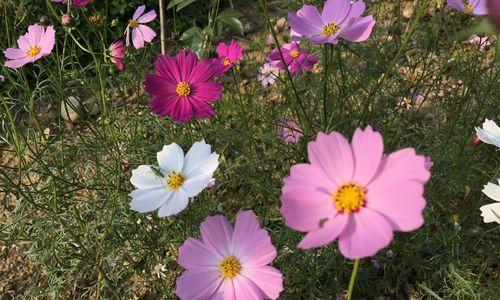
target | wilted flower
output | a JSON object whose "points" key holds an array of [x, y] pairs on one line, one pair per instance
{"points": [[34, 44], [66, 20], [475, 141], [169, 186], [117, 53], [228, 56], [491, 212], [482, 42], [490, 133], [268, 74], [295, 59], [159, 271], [140, 33], [354, 192], [44, 20], [471, 7], [288, 131], [229, 263], [339, 18]]}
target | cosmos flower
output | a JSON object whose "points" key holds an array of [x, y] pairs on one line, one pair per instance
{"points": [[491, 212], [268, 74], [490, 133], [471, 7], [288, 131], [117, 53], [75, 3], [339, 18], [228, 56], [482, 42], [34, 44], [168, 186], [181, 87], [354, 192], [140, 33], [409, 101], [296, 59], [227, 263], [494, 12]]}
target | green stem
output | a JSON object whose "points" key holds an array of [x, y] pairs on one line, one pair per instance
{"points": [[353, 279]]}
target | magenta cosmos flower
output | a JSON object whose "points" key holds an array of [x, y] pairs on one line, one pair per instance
{"points": [[471, 7], [181, 87], [228, 56], [75, 3], [296, 59], [117, 53], [355, 193], [34, 44], [339, 18], [227, 263], [140, 32]]}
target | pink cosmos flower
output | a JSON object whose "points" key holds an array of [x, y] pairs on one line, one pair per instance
{"points": [[339, 18], [471, 7], [294, 58], [75, 3], [117, 53], [482, 42], [354, 192], [268, 74], [288, 131], [228, 56], [34, 44], [140, 33], [181, 87], [227, 263]]}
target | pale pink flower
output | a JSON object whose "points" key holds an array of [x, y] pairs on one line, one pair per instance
{"points": [[481, 42], [117, 53], [288, 131], [268, 74], [140, 33]]}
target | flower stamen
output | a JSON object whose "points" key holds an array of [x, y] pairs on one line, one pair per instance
{"points": [[175, 181], [226, 62], [350, 197], [294, 53], [330, 29], [183, 89], [230, 267], [133, 23], [34, 51]]}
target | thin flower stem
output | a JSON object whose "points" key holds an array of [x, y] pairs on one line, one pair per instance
{"points": [[162, 27], [353, 279]]}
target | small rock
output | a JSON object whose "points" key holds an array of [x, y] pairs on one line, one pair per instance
{"points": [[71, 109], [92, 107]]}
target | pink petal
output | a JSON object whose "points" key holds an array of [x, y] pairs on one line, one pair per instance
{"points": [[208, 91], [358, 30], [222, 50], [307, 176], [138, 12], [186, 60], [202, 110], [268, 279], [147, 33], [183, 110], [202, 72], [335, 11], [164, 105], [23, 42], [311, 13], [480, 9], [366, 233], [217, 234], [367, 147], [457, 4], [199, 283], [158, 86], [333, 154], [330, 230], [127, 36], [14, 53], [48, 40], [356, 10], [194, 254], [137, 39], [167, 67], [304, 210], [148, 17], [225, 291], [246, 289], [17, 63], [34, 34], [401, 202], [305, 26]]}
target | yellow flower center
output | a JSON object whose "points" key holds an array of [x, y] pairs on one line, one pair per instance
{"points": [[133, 23], [183, 89], [226, 62], [330, 29], [230, 267], [468, 9], [175, 181], [34, 51], [294, 53], [349, 197]]}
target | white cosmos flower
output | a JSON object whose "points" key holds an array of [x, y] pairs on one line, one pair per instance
{"points": [[490, 133], [491, 212], [169, 186]]}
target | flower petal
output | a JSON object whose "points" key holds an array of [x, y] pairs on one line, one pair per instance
{"points": [[194, 254], [171, 158], [491, 213], [268, 279], [147, 17], [207, 91], [138, 12], [492, 191], [358, 30], [177, 203], [147, 200], [144, 178], [335, 11], [217, 233], [328, 232], [246, 289], [367, 147], [199, 283]]}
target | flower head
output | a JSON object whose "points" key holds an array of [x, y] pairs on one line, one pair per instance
{"points": [[117, 53], [34, 44], [295, 59], [354, 192], [140, 32], [181, 87], [471, 7], [75, 3], [268, 74], [339, 18], [229, 263], [491, 212], [288, 131], [228, 56], [481, 42], [169, 186], [490, 133]]}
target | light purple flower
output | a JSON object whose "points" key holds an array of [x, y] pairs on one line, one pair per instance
{"points": [[288, 131], [140, 33], [471, 7], [482, 42], [339, 18], [296, 59], [268, 74]]}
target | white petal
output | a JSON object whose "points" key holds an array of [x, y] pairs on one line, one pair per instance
{"points": [[205, 167], [144, 178], [171, 158], [490, 133], [492, 190], [488, 215], [193, 186], [146, 200], [177, 203], [197, 154]]}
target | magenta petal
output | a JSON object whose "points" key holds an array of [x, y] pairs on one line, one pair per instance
{"points": [[201, 73], [158, 86], [208, 91], [217, 233], [199, 283], [330, 230], [368, 148], [222, 50], [202, 110], [167, 67], [193, 254], [183, 111], [186, 60], [358, 30], [163, 105], [335, 11], [366, 233], [268, 279]]}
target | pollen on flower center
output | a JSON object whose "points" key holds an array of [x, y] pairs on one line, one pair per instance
{"points": [[294, 53], [330, 29], [230, 267], [175, 180], [34, 51], [349, 197], [226, 62], [468, 9], [133, 23], [183, 89]]}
